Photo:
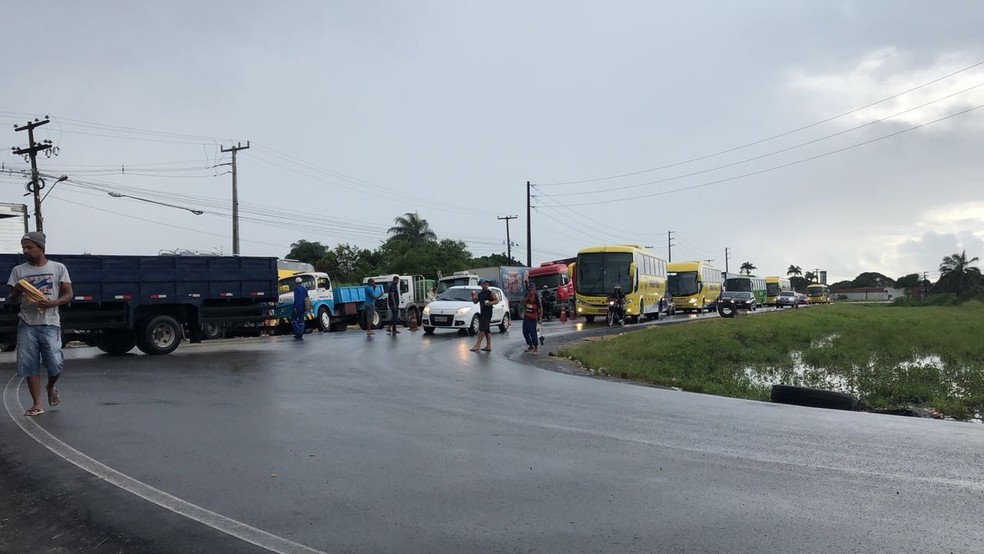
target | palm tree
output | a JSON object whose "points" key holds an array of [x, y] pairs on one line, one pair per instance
{"points": [[810, 276], [412, 228], [956, 268], [747, 268], [794, 270]]}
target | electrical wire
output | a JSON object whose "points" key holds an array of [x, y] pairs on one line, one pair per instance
{"points": [[773, 137]]}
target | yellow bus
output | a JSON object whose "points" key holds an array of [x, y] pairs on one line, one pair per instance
{"points": [[773, 286], [286, 268], [640, 273], [693, 286], [818, 294]]}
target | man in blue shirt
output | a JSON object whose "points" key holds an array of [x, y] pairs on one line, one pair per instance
{"points": [[300, 308], [371, 298]]}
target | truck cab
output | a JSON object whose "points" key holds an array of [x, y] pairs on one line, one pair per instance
{"points": [[556, 277], [332, 309], [457, 279], [415, 293]]}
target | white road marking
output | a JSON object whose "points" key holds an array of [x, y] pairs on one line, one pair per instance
{"points": [[219, 522]]}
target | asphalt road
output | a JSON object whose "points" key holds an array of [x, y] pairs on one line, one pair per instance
{"points": [[343, 443]]}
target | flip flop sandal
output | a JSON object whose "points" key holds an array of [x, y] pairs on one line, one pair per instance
{"points": [[34, 412], [54, 399]]}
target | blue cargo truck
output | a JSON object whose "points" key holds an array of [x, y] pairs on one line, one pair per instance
{"points": [[153, 302], [333, 309]]}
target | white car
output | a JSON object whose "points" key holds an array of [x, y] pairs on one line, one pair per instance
{"points": [[454, 309]]}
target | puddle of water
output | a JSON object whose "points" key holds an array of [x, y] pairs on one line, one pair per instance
{"points": [[825, 342]]}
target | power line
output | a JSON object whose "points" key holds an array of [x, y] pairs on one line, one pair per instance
{"points": [[783, 166], [773, 137], [768, 154]]}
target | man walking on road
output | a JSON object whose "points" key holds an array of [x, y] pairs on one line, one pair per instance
{"points": [[299, 309], [370, 311], [40, 285], [532, 316], [393, 301]]}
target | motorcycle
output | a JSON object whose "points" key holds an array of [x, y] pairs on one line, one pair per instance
{"points": [[616, 312]]}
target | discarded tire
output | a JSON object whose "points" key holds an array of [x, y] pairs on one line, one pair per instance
{"points": [[728, 310], [814, 398]]}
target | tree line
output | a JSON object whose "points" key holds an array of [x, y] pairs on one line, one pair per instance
{"points": [[412, 248]]}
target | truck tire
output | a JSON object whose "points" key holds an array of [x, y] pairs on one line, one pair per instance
{"points": [[324, 320], [161, 335], [116, 343], [727, 310], [339, 327], [814, 398], [473, 328], [212, 331]]}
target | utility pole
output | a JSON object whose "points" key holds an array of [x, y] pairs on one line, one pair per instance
{"points": [[529, 240], [925, 280], [669, 246], [32, 151], [235, 195], [508, 240], [727, 254]]}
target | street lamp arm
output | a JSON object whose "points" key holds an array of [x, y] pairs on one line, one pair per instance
{"points": [[115, 194]]}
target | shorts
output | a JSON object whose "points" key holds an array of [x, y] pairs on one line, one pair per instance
{"points": [[485, 323], [37, 345], [370, 312]]}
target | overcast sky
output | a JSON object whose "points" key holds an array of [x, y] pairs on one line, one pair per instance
{"points": [[359, 111]]}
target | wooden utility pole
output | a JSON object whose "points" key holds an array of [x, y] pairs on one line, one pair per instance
{"points": [[32, 151], [508, 240], [235, 195]]}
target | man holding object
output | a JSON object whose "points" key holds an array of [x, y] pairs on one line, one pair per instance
{"points": [[39, 329]]}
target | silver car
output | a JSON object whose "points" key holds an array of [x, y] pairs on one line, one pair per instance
{"points": [[787, 298]]}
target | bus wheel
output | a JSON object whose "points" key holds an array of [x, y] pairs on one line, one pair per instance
{"points": [[589, 318]]}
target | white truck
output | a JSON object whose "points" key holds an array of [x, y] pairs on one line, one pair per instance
{"points": [[511, 279], [415, 293]]}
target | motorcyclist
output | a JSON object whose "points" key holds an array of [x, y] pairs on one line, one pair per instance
{"points": [[547, 301], [618, 297]]}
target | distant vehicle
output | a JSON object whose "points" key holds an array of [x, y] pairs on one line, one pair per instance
{"points": [[287, 267], [773, 286], [332, 309], [819, 294], [694, 286], [641, 274], [415, 293], [512, 280], [454, 309], [788, 298], [747, 283], [743, 300], [803, 299], [556, 276]]}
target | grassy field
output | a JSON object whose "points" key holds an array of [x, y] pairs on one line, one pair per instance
{"points": [[889, 356]]}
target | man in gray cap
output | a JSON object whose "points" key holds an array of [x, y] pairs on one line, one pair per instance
{"points": [[40, 285]]}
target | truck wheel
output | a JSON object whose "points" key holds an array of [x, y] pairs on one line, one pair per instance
{"points": [[338, 327], [589, 318], [161, 335], [212, 331], [473, 328], [428, 330], [324, 319], [504, 325], [116, 343], [727, 310]]}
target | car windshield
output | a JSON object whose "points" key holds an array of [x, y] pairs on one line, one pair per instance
{"points": [[787, 293], [681, 283], [457, 295]]}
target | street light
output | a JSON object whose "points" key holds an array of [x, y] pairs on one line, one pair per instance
{"points": [[60, 179], [120, 195], [38, 218]]}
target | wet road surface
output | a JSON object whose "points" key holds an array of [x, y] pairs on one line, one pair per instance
{"points": [[342, 443]]}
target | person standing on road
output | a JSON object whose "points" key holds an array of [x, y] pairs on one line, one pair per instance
{"points": [[532, 316], [40, 285], [299, 309], [393, 301], [371, 298], [486, 298]]}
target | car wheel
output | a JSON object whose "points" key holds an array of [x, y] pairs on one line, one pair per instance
{"points": [[473, 328], [504, 325]]}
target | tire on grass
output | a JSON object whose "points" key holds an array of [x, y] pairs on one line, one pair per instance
{"points": [[814, 398]]}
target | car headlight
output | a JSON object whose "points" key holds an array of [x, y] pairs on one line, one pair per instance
{"points": [[462, 311], [427, 310]]}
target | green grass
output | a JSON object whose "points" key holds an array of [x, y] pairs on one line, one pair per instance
{"points": [[877, 352]]}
